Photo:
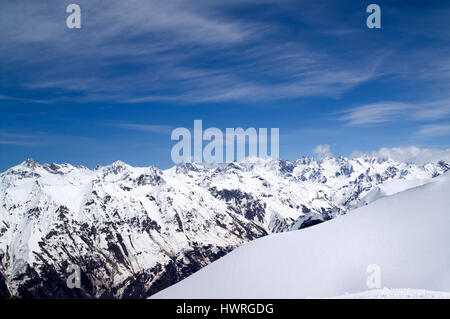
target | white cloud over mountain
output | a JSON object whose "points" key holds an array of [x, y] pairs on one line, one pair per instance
{"points": [[410, 154]]}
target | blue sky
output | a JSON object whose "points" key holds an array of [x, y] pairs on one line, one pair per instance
{"points": [[115, 88]]}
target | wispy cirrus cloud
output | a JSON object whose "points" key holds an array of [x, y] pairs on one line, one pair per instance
{"points": [[18, 139], [39, 139], [384, 112], [432, 111], [161, 129], [14, 98], [172, 51], [433, 130], [376, 113], [200, 51]]}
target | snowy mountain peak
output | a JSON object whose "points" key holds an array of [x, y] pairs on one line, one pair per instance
{"points": [[30, 163], [120, 222], [444, 165], [119, 163]]}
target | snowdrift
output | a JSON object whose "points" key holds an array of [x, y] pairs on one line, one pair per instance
{"points": [[397, 294], [407, 235]]}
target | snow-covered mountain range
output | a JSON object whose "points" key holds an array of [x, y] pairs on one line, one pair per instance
{"points": [[403, 237], [136, 230]]}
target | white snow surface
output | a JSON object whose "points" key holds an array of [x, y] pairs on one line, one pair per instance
{"points": [[397, 294], [124, 220], [407, 235]]}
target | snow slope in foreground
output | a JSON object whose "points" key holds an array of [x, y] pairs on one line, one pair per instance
{"points": [[397, 294], [406, 234]]}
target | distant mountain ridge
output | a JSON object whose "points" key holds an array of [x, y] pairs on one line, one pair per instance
{"points": [[136, 230]]}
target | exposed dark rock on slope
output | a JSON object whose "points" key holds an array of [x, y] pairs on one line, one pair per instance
{"points": [[134, 231]]}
